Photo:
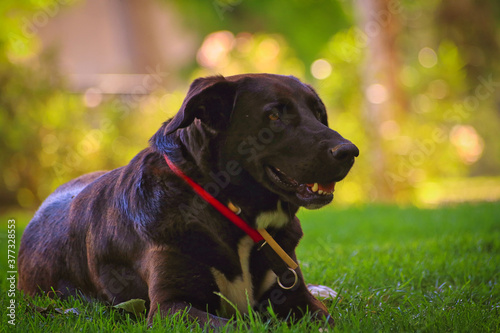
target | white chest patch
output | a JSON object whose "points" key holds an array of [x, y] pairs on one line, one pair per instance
{"points": [[268, 281], [240, 291], [276, 218], [240, 288]]}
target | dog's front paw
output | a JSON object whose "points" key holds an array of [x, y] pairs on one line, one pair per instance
{"points": [[322, 292]]}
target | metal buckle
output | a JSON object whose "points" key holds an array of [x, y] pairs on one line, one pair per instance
{"points": [[294, 282]]}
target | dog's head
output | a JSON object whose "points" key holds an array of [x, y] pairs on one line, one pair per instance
{"points": [[275, 127]]}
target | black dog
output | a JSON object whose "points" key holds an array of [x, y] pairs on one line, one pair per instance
{"points": [[257, 142]]}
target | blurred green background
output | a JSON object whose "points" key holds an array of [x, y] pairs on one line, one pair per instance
{"points": [[415, 84]]}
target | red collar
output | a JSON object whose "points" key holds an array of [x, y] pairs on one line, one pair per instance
{"points": [[238, 221], [255, 235]]}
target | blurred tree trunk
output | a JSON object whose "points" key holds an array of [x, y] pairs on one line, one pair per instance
{"points": [[384, 99]]}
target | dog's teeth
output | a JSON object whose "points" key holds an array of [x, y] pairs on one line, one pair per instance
{"points": [[315, 187], [320, 191]]}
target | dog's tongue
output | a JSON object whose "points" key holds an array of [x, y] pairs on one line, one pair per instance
{"points": [[325, 187]]}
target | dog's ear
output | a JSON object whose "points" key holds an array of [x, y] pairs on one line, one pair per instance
{"points": [[210, 99]]}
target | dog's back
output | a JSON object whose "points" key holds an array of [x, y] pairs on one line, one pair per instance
{"points": [[40, 264]]}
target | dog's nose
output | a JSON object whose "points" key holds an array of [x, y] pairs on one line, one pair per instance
{"points": [[345, 152]]}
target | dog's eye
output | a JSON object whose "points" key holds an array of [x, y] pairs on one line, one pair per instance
{"points": [[317, 114], [274, 114]]}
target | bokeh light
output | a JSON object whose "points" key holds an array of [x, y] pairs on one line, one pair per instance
{"points": [[92, 97], [468, 143], [438, 89], [268, 50], [321, 69], [215, 48], [376, 93], [427, 57]]}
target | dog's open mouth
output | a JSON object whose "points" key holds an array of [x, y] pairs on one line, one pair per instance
{"points": [[309, 194]]}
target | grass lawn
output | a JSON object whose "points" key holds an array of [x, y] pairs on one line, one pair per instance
{"points": [[396, 269]]}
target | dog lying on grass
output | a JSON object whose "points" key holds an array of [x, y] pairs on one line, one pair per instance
{"points": [[257, 143]]}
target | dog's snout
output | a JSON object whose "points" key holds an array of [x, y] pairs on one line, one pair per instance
{"points": [[344, 152]]}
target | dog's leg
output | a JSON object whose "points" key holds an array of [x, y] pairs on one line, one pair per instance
{"points": [[177, 283], [296, 301], [170, 308], [293, 296]]}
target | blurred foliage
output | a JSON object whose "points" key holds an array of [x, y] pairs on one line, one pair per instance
{"points": [[307, 24], [449, 130]]}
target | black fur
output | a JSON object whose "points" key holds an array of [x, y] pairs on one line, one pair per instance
{"points": [[140, 232]]}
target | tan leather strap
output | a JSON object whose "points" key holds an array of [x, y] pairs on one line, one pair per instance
{"points": [[279, 251]]}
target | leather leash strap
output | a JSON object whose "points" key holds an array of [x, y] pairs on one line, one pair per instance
{"points": [[256, 235], [279, 251]]}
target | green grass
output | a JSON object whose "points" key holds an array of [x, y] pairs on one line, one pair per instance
{"points": [[396, 269]]}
